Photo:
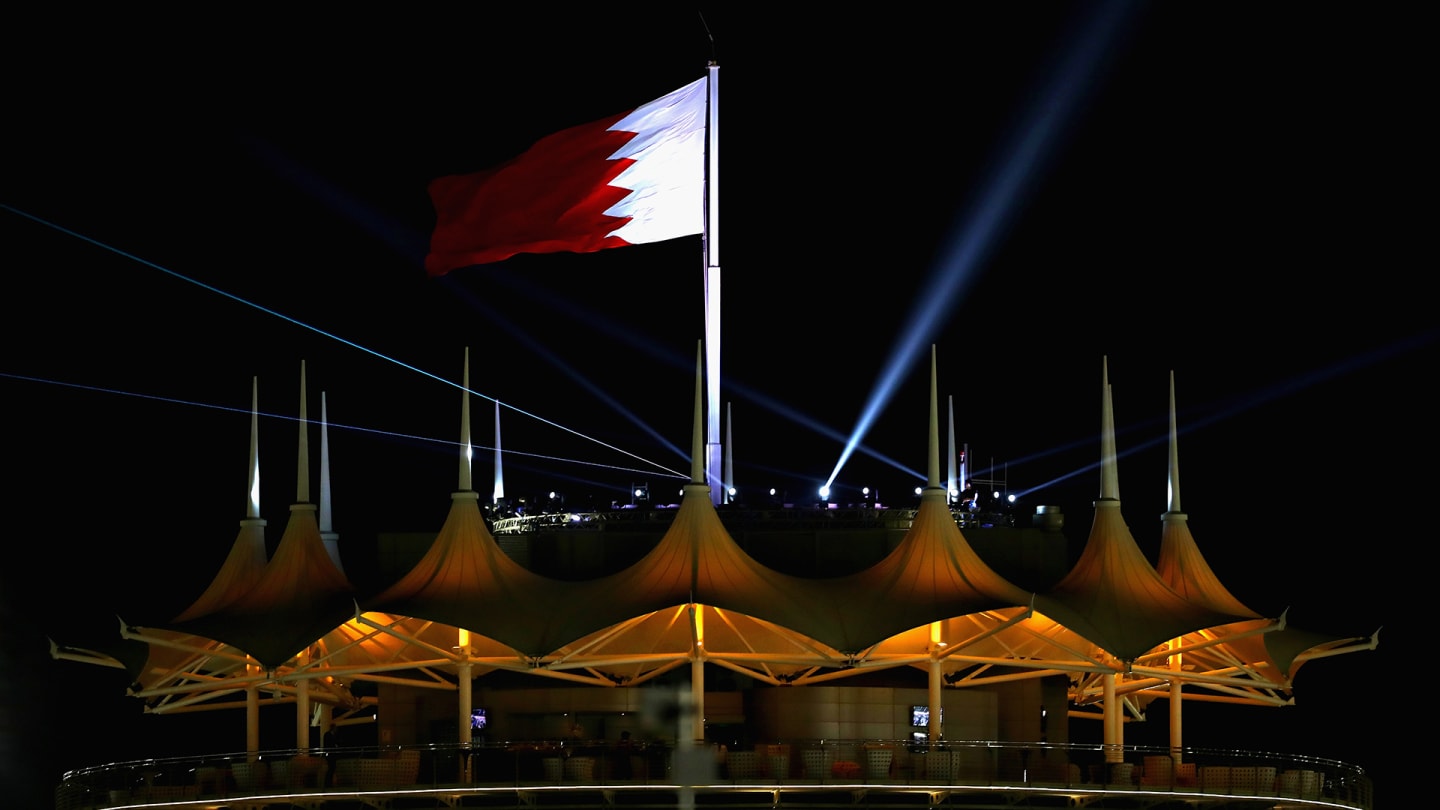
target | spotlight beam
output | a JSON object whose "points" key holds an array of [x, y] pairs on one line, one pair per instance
{"points": [[654, 350], [321, 332], [570, 371], [995, 208]]}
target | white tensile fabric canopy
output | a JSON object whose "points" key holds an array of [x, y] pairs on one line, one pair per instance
{"points": [[292, 628]]}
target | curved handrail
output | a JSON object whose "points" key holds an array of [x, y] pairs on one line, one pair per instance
{"points": [[880, 766]]}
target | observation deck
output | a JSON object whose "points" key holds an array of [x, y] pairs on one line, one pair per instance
{"points": [[799, 773]]}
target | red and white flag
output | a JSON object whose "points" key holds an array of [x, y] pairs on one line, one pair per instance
{"points": [[629, 179]]}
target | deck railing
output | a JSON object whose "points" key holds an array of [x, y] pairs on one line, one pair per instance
{"points": [[948, 772]]}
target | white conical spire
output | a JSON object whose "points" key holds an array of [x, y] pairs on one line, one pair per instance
{"points": [[327, 532], [1174, 502], [499, 491], [466, 452], [729, 461], [933, 480], [252, 506], [950, 487], [1109, 475], [964, 467], [326, 519], [697, 443], [302, 484]]}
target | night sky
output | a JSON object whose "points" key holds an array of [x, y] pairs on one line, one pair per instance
{"points": [[1228, 192]]}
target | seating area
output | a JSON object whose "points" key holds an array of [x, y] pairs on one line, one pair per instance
{"points": [[769, 763], [742, 766], [894, 769], [1302, 784], [878, 762], [1158, 771], [777, 761], [817, 762], [580, 770], [299, 772], [390, 770]]}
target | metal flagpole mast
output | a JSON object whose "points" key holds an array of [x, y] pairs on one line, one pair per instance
{"points": [[714, 458]]}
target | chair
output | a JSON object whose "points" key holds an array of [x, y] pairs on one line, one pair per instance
{"points": [[1215, 779], [347, 772], [298, 772], [816, 762], [778, 761], [845, 769], [404, 766], [1186, 774], [1265, 780], [553, 768], [249, 776], [1159, 771], [580, 769], [375, 774], [939, 766], [743, 764], [1122, 774], [211, 779], [878, 761], [1243, 780]]}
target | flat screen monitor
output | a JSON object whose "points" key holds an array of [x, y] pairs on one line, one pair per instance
{"points": [[920, 716], [478, 718]]}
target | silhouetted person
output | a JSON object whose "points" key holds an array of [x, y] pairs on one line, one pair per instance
{"points": [[624, 749], [330, 744]]}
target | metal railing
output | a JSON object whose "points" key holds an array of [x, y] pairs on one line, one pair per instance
{"points": [[959, 773]]}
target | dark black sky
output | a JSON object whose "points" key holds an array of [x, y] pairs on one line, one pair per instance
{"points": [[1230, 192]]}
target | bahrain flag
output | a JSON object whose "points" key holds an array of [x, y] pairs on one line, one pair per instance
{"points": [[628, 179]]}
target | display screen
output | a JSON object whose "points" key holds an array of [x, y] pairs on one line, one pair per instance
{"points": [[920, 716], [477, 718]]}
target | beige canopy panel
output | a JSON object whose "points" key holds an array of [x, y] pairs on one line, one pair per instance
{"points": [[466, 580], [273, 610], [465, 609]]}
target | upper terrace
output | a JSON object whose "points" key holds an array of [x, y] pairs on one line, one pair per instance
{"points": [[800, 773]]}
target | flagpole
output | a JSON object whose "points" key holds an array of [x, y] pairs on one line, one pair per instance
{"points": [[714, 457]]}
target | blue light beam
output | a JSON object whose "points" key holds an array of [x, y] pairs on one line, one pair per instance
{"points": [[995, 207], [321, 332]]}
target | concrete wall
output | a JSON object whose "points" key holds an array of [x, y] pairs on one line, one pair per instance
{"points": [[868, 713], [1030, 710]]}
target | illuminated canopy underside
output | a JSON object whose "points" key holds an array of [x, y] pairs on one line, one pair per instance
{"points": [[697, 596]]}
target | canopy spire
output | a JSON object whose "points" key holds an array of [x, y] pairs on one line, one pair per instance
{"points": [[327, 531], [934, 466], [252, 507], [302, 484], [466, 480], [499, 492], [951, 489], [697, 443], [1174, 503], [326, 518], [1109, 475], [729, 460]]}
